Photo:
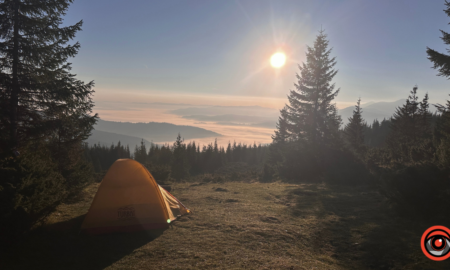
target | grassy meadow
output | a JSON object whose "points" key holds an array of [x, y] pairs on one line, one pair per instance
{"points": [[239, 225]]}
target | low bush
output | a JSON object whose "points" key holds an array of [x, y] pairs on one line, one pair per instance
{"points": [[30, 189], [161, 173], [300, 164], [268, 173], [343, 167], [420, 191]]}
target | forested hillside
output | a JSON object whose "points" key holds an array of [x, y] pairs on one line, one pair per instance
{"points": [[107, 138], [152, 131]]}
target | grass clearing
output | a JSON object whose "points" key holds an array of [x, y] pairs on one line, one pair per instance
{"points": [[238, 225]]}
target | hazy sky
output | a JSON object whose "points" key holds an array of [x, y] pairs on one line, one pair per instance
{"points": [[217, 52], [173, 50]]}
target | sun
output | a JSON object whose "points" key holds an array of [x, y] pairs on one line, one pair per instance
{"points": [[278, 60]]}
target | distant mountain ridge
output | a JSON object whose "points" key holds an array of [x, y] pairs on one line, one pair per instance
{"points": [[237, 120], [104, 138], [375, 110], [227, 110], [154, 131], [250, 116]]}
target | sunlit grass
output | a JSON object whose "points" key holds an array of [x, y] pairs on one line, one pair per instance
{"points": [[237, 225]]}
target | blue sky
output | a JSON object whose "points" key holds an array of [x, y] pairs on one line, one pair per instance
{"points": [[215, 51]]}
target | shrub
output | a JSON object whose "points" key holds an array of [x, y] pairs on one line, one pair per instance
{"points": [[343, 167], [268, 173], [417, 191], [300, 164], [161, 173], [30, 189]]}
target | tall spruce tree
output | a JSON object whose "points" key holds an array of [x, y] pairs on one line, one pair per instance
{"points": [[354, 130], [441, 61], [45, 112], [39, 97], [311, 116]]}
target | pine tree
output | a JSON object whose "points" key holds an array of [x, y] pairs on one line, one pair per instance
{"points": [[229, 153], [38, 94], [442, 134], [376, 124], [354, 130], [425, 118], [441, 61], [140, 153], [45, 112], [310, 114], [165, 155], [180, 166], [405, 122], [410, 137]]}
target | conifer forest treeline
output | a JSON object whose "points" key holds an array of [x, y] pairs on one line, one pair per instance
{"points": [[46, 115], [180, 160]]}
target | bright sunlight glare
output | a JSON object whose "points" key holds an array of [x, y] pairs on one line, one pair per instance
{"points": [[277, 60]]}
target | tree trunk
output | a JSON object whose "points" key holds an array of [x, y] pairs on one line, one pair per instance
{"points": [[15, 80]]}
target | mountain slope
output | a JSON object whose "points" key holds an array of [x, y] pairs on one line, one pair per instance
{"points": [[375, 110], [152, 131], [108, 138]]}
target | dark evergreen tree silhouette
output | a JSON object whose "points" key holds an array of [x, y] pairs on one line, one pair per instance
{"points": [[409, 139], [162, 159], [180, 166], [376, 134], [442, 135], [103, 157], [140, 153], [441, 61], [229, 154], [425, 118], [311, 116], [354, 130], [405, 122], [39, 97], [45, 112]]}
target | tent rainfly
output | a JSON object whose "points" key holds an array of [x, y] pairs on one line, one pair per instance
{"points": [[129, 199]]}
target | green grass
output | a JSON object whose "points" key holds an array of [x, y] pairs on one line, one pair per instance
{"points": [[248, 226]]}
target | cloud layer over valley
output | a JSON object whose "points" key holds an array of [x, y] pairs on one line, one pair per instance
{"points": [[246, 124]]}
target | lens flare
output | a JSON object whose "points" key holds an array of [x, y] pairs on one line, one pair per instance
{"points": [[278, 60]]}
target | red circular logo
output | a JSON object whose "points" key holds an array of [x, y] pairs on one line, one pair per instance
{"points": [[435, 243]]}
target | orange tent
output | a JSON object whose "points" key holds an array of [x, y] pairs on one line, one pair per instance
{"points": [[129, 199]]}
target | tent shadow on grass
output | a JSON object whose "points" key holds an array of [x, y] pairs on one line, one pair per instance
{"points": [[61, 246]]}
